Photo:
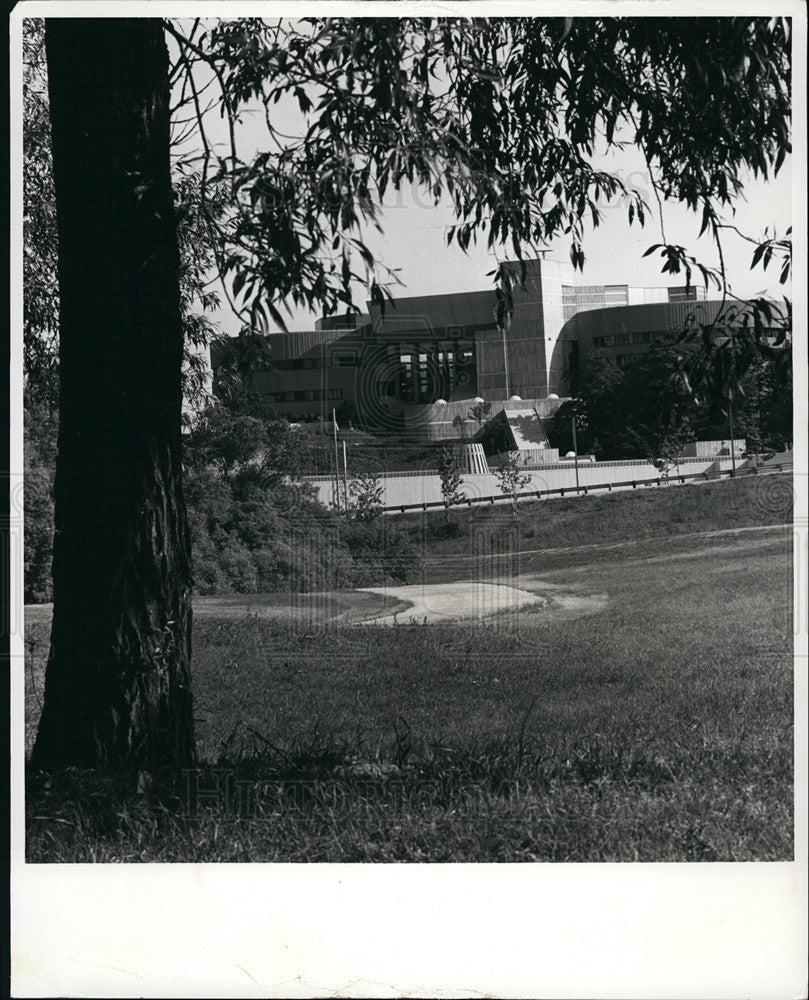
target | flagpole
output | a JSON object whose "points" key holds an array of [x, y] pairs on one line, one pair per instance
{"points": [[336, 461], [345, 475]]}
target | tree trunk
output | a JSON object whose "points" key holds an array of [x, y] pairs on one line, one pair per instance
{"points": [[117, 687]]}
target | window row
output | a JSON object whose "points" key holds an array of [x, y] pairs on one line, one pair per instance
{"points": [[306, 395], [297, 365], [310, 364], [614, 339]]}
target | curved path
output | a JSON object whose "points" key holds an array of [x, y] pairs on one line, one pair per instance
{"points": [[429, 603]]}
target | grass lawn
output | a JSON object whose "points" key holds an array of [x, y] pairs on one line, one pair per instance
{"points": [[602, 518], [657, 727]]}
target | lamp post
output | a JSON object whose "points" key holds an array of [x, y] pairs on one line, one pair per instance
{"points": [[732, 436], [719, 341], [505, 363], [575, 454], [336, 463]]}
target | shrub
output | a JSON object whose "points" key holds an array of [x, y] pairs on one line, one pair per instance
{"points": [[366, 493], [380, 549]]}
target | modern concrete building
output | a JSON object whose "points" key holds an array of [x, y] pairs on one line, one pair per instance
{"points": [[422, 368]]}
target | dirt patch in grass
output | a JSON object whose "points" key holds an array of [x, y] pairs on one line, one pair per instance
{"points": [[464, 600]]}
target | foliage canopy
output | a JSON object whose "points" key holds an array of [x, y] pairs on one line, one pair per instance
{"points": [[508, 119], [505, 117]]}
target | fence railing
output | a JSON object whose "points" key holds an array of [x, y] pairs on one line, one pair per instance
{"points": [[581, 490]]}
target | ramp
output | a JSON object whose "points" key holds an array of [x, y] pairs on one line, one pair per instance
{"points": [[513, 430]]}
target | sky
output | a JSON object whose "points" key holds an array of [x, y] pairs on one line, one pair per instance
{"points": [[414, 233]]}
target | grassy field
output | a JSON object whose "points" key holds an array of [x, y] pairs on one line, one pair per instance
{"points": [[599, 519], [654, 724]]}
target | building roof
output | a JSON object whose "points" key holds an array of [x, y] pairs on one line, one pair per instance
{"points": [[432, 314]]}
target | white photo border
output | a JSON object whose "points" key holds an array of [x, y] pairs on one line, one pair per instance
{"points": [[547, 930]]}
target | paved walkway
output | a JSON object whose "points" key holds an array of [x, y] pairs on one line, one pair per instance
{"points": [[445, 602]]}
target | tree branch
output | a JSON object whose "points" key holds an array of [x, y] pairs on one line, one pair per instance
{"points": [[206, 58], [651, 178]]}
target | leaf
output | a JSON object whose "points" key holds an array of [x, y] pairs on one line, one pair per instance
{"points": [[304, 102], [238, 282], [567, 29], [706, 218]]}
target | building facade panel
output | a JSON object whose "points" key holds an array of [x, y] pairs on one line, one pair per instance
{"points": [[404, 370], [624, 330]]}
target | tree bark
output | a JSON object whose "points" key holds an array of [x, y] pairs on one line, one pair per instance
{"points": [[117, 687]]}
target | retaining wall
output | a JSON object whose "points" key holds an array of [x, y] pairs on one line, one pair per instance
{"points": [[418, 488]]}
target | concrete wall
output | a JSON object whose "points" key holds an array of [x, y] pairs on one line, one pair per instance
{"points": [[532, 456], [433, 421], [530, 336], [417, 488], [527, 376], [489, 361], [555, 274], [701, 449]]}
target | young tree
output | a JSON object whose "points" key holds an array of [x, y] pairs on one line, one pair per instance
{"points": [[734, 352], [366, 496], [602, 409], [459, 424], [775, 402], [451, 481], [660, 410], [479, 412], [669, 448], [499, 116], [511, 479]]}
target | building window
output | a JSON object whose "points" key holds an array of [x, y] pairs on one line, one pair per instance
{"points": [[617, 339], [693, 294], [616, 295]]}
